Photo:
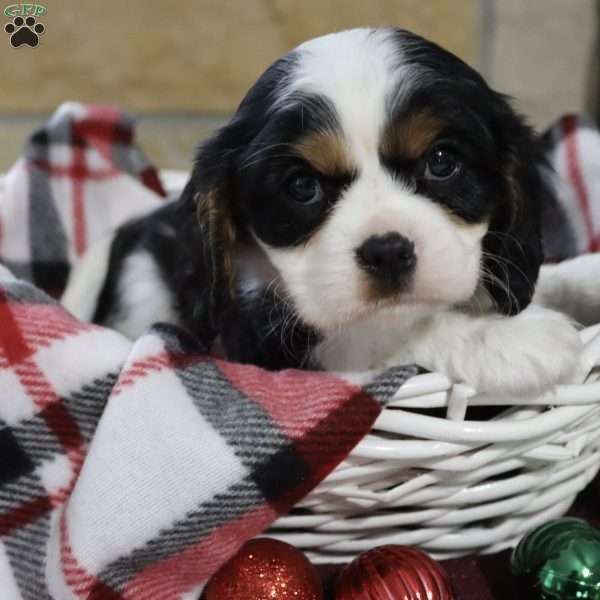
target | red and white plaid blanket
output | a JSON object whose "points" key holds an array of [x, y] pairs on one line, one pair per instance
{"points": [[133, 471], [572, 147]]}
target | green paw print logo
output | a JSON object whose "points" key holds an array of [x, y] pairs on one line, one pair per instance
{"points": [[24, 29]]}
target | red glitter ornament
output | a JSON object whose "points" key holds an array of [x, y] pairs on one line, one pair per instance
{"points": [[265, 569], [393, 573]]}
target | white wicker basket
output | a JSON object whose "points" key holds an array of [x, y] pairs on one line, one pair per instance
{"points": [[451, 485]]}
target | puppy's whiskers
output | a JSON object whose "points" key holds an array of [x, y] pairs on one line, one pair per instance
{"points": [[505, 262], [510, 236], [503, 285]]}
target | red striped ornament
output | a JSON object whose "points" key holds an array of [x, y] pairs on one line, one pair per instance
{"points": [[393, 573]]}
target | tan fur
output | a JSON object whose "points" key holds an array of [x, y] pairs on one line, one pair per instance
{"points": [[327, 152], [219, 237], [410, 137]]}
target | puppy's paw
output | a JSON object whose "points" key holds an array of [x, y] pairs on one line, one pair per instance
{"points": [[525, 354]]}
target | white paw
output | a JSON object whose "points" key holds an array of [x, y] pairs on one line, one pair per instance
{"points": [[525, 354]]}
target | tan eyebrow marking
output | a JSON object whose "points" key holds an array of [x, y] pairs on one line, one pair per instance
{"points": [[409, 137], [327, 152]]}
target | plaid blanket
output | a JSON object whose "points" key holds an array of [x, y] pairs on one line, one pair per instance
{"points": [[80, 176], [132, 471], [573, 150]]}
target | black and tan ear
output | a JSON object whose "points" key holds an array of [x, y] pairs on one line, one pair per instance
{"points": [[205, 280], [206, 276], [513, 245]]}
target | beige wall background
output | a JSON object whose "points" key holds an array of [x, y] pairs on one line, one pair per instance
{"points": [[182, 67], [545, 54], [197, 55]]}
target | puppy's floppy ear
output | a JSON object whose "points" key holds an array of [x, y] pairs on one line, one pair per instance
{"points": [[513, 244], [209, 204], [206, 277]]}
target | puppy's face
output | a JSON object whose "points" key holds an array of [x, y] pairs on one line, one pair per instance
{"points": [[376, 170]]}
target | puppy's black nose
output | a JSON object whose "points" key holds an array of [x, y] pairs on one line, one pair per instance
{"points": [[389, 257]]}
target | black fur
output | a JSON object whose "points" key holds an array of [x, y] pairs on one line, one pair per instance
{"points": [[252, 328]]}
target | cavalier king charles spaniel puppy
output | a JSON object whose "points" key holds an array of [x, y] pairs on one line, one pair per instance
{"points": [[372, 202]]}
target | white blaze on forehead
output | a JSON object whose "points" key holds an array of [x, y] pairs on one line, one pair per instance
{"points": [[356, 70]]}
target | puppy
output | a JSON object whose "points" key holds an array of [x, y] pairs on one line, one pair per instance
{"points": [[372, 202]]}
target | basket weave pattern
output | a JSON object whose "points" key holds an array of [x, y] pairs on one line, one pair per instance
{"points": [[450, 483]]}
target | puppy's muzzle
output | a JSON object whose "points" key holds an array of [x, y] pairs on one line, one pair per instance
{"points": [[389, 258]]}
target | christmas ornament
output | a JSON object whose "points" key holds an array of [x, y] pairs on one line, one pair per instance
{"points": [[559, 560], [265, 569], [394, 572]]}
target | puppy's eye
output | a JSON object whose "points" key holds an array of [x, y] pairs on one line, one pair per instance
{"points": [[305, 189], [441, 164]]}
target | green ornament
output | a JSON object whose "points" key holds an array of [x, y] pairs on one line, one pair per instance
{"points": [[558, 561]]}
